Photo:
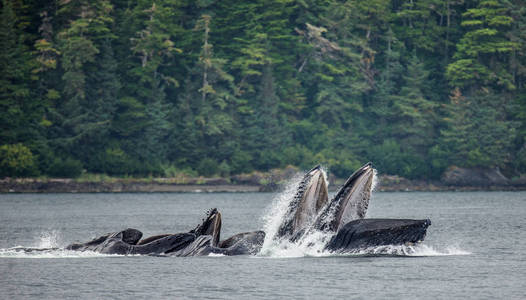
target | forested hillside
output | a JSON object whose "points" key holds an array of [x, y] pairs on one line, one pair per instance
{"points": [[153, 87]]}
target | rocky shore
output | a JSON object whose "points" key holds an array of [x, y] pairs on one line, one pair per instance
{"points": [[57, 185], [454, 179]]}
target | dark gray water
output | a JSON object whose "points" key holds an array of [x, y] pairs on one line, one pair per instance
{"points": [[474, 249]]}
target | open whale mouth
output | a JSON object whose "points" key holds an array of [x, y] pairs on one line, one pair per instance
{"points": [[364, 233], [310, 198], [211, 225], [350, 202], [309, 220]]}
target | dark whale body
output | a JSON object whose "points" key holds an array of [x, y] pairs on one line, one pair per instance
{"points": [[179, 244], [366, 233], [121, 243], [203, 240], [342, 217]]}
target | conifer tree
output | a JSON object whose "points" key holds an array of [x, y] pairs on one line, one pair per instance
{"points": [[47, 58], [387, 88], [222, 87], [79, 43], [478, 133], [415, 114], [480, 52], [16, 108], [102, 97], [152, 46], [208, 105]]}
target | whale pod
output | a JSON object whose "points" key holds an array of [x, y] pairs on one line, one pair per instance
{"points": [[309, 211]]}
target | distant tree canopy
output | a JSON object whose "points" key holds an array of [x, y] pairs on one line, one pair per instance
{"points": [[209, 87]]}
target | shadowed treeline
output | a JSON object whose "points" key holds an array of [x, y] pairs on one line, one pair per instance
{"points": [[227, 87]]}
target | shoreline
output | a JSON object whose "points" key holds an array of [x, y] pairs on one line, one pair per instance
{"points": [[212, 185]]}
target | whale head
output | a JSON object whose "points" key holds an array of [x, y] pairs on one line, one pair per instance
{"points": [[311, 196], [211, 225], [350, 202]]}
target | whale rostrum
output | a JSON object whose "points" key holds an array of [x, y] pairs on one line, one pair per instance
{"points": [[310, 210]]}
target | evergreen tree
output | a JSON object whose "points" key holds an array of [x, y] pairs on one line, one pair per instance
{"points": [[478, 132], [420, 23], [415, 124], [206, 108], [101, 98], [47, 58], [223, 87], [266, 131], [20, 114], [78, 120], [153, 50], [517, 36], [380, 106], [483, 48]]}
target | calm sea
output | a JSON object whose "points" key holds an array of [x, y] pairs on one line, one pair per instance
{"points": [[474, 249]]}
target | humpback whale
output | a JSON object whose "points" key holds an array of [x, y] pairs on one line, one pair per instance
{"points": [[310, 197], [342, 218], [202, 240]]}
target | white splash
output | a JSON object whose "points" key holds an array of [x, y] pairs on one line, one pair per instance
{"points": [[216, 255], [324, 173], [276, 212], [407, 250], [49, 239], [311, 244], [47, 244], [425, 250], [24, 252], [375, 182]]}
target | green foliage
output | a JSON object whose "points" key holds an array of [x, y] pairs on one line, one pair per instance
{"points": [[17, 160], [224, 169], [68, 168], [478, 133], [241, 162], [390, 158], [17, 108], [300, 156], [520, 161], [113, 161], [184, 88], [208, 167], [172, 171], [479, 52], [343, 167], [415, 115]]}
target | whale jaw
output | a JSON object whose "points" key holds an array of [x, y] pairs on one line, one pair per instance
{"points": [[211, 225], [365, 233], [310, 198], [350, 202]]}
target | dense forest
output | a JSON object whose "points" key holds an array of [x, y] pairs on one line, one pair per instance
{"points": [[221, 87]]}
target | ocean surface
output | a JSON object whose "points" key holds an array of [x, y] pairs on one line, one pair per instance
{"points": [[474, 249]]}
